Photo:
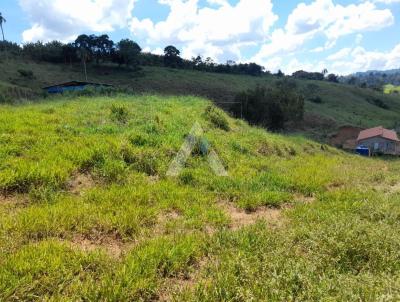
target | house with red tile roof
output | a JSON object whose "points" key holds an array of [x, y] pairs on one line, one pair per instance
{"points": [[380, 141]]}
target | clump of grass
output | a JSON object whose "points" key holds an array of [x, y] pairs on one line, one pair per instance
{"points": [[43, 194], [112, 170], [202, 146], [217, 118], [119, 113], [138, 139], [141, 160], [187, 178]]}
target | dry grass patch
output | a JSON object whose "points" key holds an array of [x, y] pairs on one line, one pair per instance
{"points": [[113, 246], [80, 183], [300, 198], [13, 200], [163, 220], [241, 218]]}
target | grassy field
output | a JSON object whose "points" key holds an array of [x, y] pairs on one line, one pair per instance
{"points": [[341, 104], [390, 89], [87, 212]]}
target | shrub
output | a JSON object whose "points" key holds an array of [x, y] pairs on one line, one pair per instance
{"points": [[316, 100], [4, 98], [26, 73], [378, 102], [271, 107]]}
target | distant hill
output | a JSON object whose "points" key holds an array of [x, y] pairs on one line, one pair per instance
{"points": [[374, 78], [379, 72], [328, 105]]}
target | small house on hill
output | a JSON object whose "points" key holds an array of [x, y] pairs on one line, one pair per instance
{"points": [[380, 141], [73, 86]]}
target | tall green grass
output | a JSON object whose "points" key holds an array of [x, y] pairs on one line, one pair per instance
{"points": [[174, 232]]}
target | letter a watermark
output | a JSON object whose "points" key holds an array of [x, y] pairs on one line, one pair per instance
{"points": [[194, 137]]}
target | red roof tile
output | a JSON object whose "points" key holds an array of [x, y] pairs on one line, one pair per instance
{"points": [[378, 131]]}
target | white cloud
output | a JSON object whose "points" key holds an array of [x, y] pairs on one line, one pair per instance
{"points": [[211, 31], [222, 30], [359, 38], [341, 54], [295, 65], [387, 1], [323, 18], [61, 20], [359, 59]]}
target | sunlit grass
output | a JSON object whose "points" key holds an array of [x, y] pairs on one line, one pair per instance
{"points": [[174, 232]]}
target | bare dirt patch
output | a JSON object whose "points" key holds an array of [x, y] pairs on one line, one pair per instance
{"points": [[335, 186], [241, 218], [80, 183], [396, 188], [346, 137], [7, 199], [300, 198], [154, 179], [163, 220], [13, 200], [393, 189], [114, 247], [176, 285]]}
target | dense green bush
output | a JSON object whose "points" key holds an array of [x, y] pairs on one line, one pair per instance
{"points": [[378, 102], [316, 99], [25, 73], [271, 107]]}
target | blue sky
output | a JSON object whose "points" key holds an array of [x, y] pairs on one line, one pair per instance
{"points": [[343, 36]]}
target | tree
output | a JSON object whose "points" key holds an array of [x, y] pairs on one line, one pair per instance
{"points": [[271, 107], [52, 52], [128, 53], [172, 57], [333, 78], [324, 71], [69, 53], [301, 74], [352, 81], [84, 46], [255, 69], [197, 62], [280, 74], [101, 47], [2, 20]]}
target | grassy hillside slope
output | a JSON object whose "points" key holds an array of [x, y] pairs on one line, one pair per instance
{"points": [[391, 89], [341, 104], [88, 213]]}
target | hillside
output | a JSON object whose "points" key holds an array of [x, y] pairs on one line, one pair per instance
{"points": [[87, 212], [341, 104]]}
